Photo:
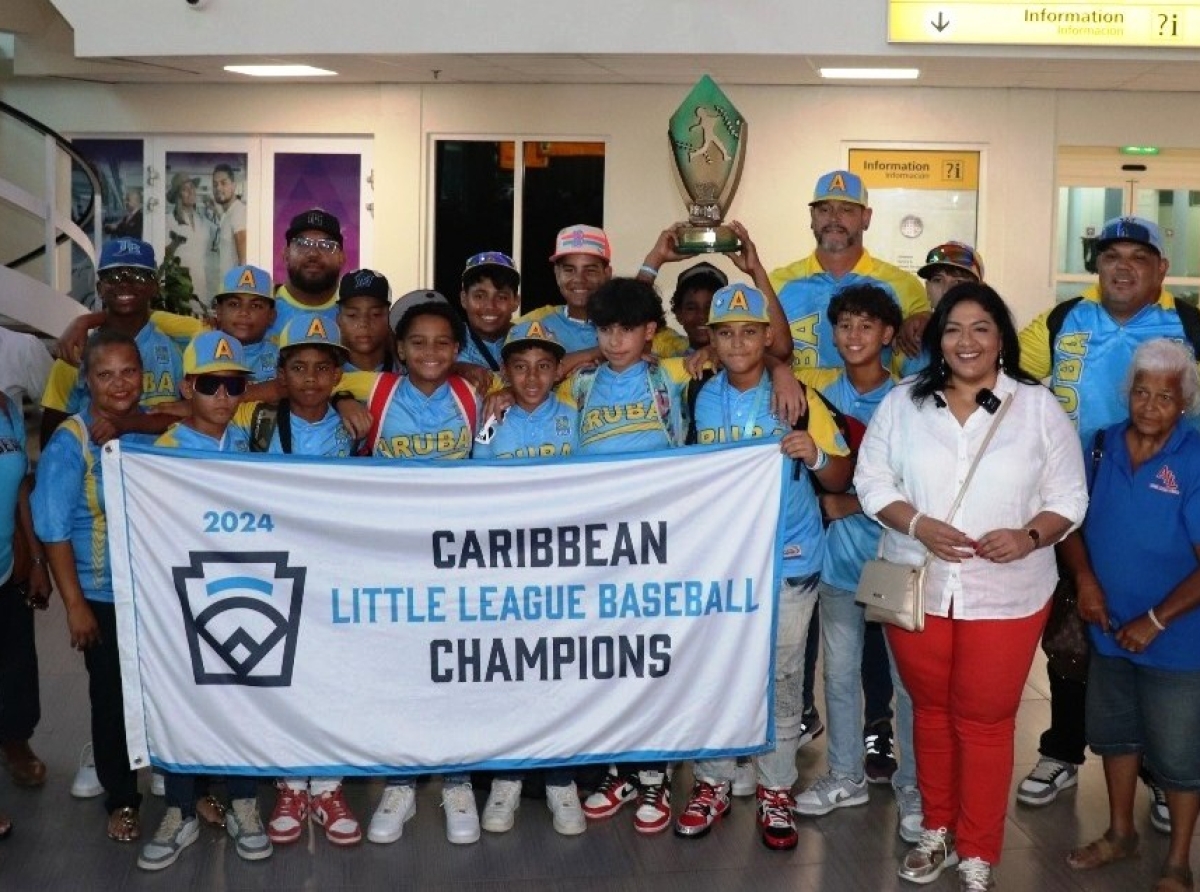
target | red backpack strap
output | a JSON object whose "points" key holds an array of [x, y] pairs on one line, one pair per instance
{"points": [[464, 395], [377, 406]]}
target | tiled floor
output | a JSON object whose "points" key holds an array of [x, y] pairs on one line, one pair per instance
{"points": [[59, 842]]}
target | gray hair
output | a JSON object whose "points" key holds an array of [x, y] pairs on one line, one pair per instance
{"points": [[1165, 356]]}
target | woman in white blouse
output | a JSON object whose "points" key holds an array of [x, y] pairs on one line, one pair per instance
{"points": [[992, 568]]}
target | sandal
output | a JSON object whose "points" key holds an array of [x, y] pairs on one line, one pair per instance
{"points": [[123, 825], [1105, 850], [1175, 879], [210, 811]]}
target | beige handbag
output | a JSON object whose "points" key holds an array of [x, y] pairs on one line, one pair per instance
{"points": [[895, 593]]}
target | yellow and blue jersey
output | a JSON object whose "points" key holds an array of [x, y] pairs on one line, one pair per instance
{"points": [[576, 335], [416, 426], [549, 431], [162, 370], [181, 436], [287, 308], [725, 414], [262, 359], [639, 409], [327, 438], [14, 465], [472, 353], [805, 290]]}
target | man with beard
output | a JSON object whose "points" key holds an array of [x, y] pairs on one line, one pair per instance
{"points": [[230, 240], [840, 215], [314, 257]]}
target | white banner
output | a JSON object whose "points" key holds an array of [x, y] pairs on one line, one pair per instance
{"points": [[294, 616]]}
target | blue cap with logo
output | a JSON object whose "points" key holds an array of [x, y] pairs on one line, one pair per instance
{"points": [[492, 259], [214, 351], [310, 330], [1131, 229], [249, 280], [365, 283], [531, 334], [840, 185], [126, 252], [738, 303]]}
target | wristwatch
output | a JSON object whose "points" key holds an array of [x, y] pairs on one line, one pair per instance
{"points": [[1035, 536]]}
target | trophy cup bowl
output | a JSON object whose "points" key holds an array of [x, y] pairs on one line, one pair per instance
{"points": [[707, 135]]}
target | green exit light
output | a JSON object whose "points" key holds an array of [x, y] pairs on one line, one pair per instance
{"points": [[1139, 150]]}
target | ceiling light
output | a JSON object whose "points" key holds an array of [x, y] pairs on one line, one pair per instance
{"points": [[873, 74], [280, 70]]}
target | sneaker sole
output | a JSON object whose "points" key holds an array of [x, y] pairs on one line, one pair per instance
{"points": [[571, 829], [596, 814], [335, 839], [382, 838], [951, 861], [779, 845], [253, 855], [810, 812], [285, 839], [499, 826], [651, 829], [463, 840]]}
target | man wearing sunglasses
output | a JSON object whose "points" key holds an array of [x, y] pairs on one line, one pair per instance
{"points": [[127, 281]]}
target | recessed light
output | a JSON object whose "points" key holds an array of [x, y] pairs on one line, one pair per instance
{"points": [[877, 74], [280, 70]]}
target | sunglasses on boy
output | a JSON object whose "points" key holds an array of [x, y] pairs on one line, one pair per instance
{"points": [[127, 276], [208, 385]]}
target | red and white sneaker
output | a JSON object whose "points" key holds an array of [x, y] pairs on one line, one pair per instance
{"points": [[709, 803], [614, 791], [653, 813], [289, 816], [775, 818], [331, 811]]}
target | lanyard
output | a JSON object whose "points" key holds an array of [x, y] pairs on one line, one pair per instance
{"points": [[747, 428]]}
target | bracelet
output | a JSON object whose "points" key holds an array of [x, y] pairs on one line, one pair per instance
{"points": [[39, 562], [648, 270], [1154, 619], [912, 524], [822, 460], [339, 396]]}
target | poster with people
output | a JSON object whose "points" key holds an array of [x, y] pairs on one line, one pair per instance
{"points": [[120, 166]]}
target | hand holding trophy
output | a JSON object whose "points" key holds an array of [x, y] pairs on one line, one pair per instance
{"points": [[707, 135]]}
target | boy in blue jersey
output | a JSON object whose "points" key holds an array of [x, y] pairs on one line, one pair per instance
{"points": [[537, 425], [865, 320], [735, 405], [215, 379], [68, 516], [364, 298], [245, 308], [489, 297]]}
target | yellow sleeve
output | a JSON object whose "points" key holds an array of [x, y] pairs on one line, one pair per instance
{"points": [[676, 369], [175, 326], [565, 390], [913, 298], [244, 414], [669, 343], [58, 386], [818, 378], [359, 384], [822, 427], [1035, 347], [539, 313]]}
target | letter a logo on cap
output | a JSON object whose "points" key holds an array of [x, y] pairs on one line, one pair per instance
{"points": [[837, 184], [247, 279], [222, 350], [316, 329], [536, 331], [738, 301]]}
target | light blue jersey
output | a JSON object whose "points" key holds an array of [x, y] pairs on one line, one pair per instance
{"points": [[471, 353], [262, 359], [180, 436], [14, 465], [432, 427], [634, 410], [162, 370], [549, 431], [287, 308], [326, 437]]}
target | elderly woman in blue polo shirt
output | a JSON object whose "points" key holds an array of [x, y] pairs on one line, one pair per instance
{"points": [[1137, 567]]}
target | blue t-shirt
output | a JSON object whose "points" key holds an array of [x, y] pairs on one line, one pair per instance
{"points": [[14, 465], [327, 437], [625, 412], [1141, 530], [549, 431], [262, 359]]}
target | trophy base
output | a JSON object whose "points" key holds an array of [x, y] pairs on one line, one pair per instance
{"points": [[707, 240]]}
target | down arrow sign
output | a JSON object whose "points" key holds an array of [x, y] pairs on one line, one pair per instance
{"points": [[942, 23]]}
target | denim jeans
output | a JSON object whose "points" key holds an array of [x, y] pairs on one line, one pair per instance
{"points": [[777, 768]]}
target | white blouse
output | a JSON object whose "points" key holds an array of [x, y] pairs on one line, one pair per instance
{"points": [[921, 455]]}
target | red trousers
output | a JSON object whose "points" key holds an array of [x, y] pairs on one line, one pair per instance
{"points": [[966, 679]]}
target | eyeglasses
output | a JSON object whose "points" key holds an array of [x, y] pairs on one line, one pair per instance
{"points": [[322, 245], [208, 385], [127, 276]]}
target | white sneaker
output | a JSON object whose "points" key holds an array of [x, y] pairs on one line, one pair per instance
{"points": [[1048, 778], [462, 814], [86, 784], [745, 779], [500, 810], [974, 875], [910, 814], [830, 792], [564, 804], [158, 784], [398, 805]]}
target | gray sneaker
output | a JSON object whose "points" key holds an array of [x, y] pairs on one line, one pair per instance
{"points": [[244, 825], [926, 860], [911, 814], [173, 835], [1048, 778], [830, 792]]}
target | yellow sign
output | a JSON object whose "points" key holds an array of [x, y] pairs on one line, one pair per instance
{"points": [[1069, 23], [903, 169]]}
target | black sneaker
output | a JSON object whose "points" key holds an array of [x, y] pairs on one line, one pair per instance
{"points": [[880, 761], [810, 728]]}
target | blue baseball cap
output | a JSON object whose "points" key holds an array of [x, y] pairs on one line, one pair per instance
{"points": [[840, 185], [126, 252], [492, 259], [214, 351], [1130, 229], [249, 280], [310, 330], [738, 303], [365, 283], [531, 334]]}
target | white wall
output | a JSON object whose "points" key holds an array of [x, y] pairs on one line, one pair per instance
{"points": [[795, 134]]}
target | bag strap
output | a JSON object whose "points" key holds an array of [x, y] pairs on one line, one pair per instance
{"points": [[483, 350], [377, 406], [465, 397]]}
